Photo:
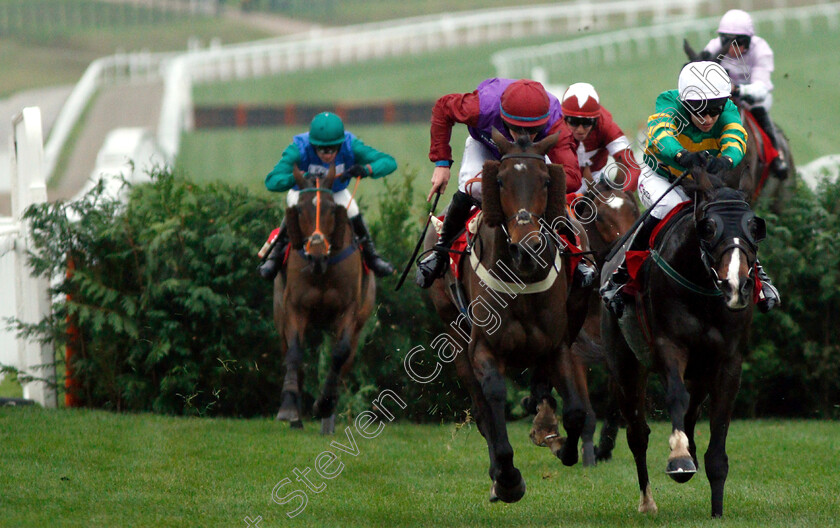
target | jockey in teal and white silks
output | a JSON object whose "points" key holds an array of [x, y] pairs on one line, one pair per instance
{"points": [[313, 152]]}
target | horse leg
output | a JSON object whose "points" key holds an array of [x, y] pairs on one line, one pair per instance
{"points": [[681, 465], [698, 393], [570, 381], [480, 409], [609, 429], [508, 484], [290, 396], [725, 390], [631, 379], [544, 431], [342, 353]]}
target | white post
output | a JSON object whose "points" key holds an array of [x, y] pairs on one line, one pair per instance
{"points": [[31, 294]]}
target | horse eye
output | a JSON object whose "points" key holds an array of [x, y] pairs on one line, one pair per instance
{"points": [[707, 228], [546, 183], [499, 181]]}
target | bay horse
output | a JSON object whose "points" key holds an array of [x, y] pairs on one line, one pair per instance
{"points": [[690, 324], [751, 175], [514, 305], [325, 289], [606, 212]]}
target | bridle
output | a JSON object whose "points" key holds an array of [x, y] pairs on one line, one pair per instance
{"points": [[317, 237], [524, 216]]}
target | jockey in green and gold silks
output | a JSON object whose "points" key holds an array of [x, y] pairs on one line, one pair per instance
{"points": [[669, 132], [694, 126]]}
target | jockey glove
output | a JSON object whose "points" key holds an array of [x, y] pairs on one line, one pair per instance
{"points": [[355, 171], [716, 165], [690, 159]]}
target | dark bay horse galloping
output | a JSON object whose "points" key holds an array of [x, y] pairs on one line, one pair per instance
{"points": [[690, 324], [325, 289], [515, 287]]}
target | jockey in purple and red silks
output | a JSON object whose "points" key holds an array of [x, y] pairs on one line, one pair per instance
{"points": [[513, 107], [749, 61]]}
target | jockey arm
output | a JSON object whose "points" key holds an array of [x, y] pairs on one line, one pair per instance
{"points": [[448, 110], [733, 137], [377, 164], [281, 177]]}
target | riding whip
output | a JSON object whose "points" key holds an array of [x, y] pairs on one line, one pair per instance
{"points": [[419, 243]]}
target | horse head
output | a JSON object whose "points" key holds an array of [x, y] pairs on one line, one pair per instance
{"points": [[316, 224], [729, 233], [608, 209], [523, 195]]}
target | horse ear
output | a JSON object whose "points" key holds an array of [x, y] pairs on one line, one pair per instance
{"points": [[501, 142], [556, 205], [293, 228], [330, 178], [299, 179], [545, 144], [491, 202]]}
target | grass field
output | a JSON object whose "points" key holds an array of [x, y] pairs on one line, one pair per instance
{"points": [[805, 100], [91, 468]]}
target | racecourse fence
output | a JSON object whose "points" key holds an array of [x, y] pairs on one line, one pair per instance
{"points": [[660, 39], [29, 294]]}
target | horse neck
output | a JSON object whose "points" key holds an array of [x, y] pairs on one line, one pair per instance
{"points": [[681, 250]]}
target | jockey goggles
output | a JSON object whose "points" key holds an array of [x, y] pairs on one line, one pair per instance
{"points": [[709, 107], [328, 149], [575, 122], [726, 40]]}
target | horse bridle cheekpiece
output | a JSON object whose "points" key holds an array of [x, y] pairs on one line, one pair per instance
{"points": [[728, 224]]}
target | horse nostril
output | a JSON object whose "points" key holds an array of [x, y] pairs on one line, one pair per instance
{"points": [[746, 286]]}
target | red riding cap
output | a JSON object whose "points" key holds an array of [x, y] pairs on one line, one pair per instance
{"points": [[581, 100], [525, 104]]}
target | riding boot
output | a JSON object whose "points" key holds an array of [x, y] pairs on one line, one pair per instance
{"points": [[377, 264], [610, 290], [769, 297], [778, 166], [434, 266], [269, 268]]}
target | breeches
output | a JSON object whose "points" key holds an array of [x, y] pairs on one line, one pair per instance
{"points": [[341, 198], [652, 186]]}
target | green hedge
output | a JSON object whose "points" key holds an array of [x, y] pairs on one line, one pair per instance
{"points": [[174, 319]]}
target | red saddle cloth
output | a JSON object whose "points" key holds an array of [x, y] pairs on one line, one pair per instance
{"points": [[462, 242], [766, 151], [635, 259]]}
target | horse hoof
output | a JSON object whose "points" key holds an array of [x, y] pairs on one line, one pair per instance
{"points": [[288, 415], [296, 424], [328, 425], [568, 454], [681, 469], [498, 492]]}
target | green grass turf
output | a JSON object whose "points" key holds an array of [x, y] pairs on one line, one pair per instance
{"points": [[92, 468], [804, 101]]}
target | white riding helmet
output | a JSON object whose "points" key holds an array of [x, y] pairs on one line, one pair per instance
{"points": [[703, 81], [736, 22]]}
